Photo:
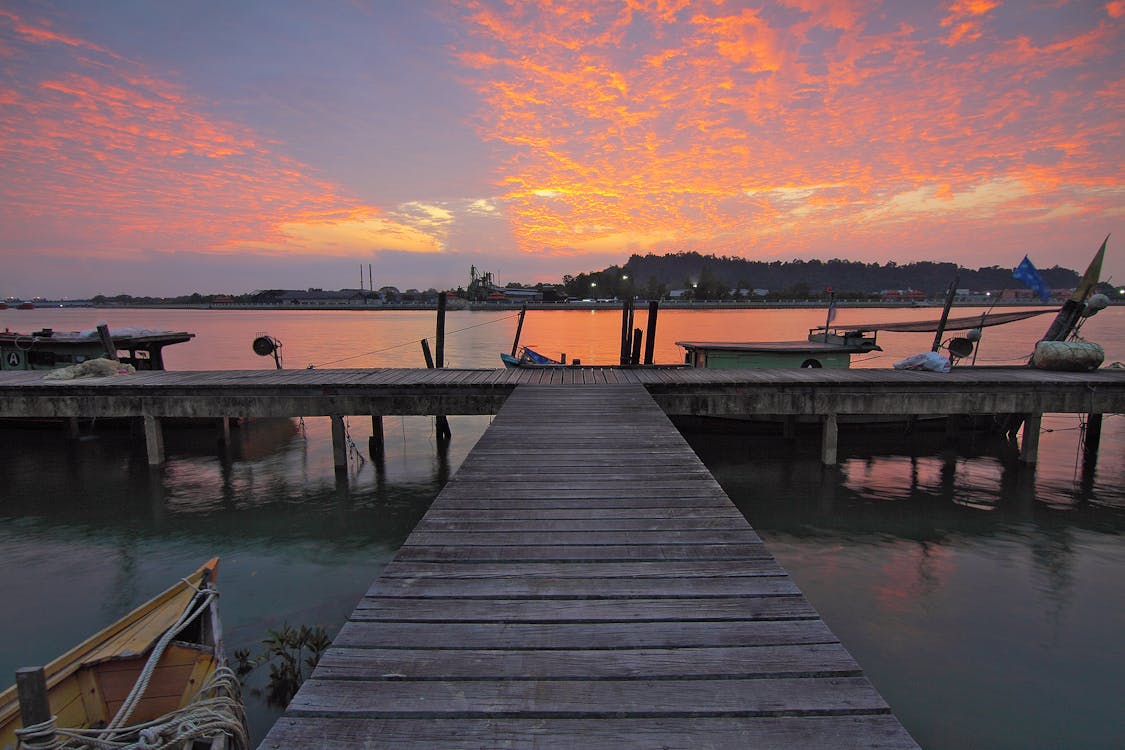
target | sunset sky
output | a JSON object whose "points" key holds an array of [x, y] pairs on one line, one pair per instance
{"points": [[226, 146]]}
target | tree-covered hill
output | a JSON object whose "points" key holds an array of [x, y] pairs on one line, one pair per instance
{"points": [[650, 275]]}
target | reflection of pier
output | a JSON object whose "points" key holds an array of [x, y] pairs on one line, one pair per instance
{"points": [[823, 393], [582, 581]]}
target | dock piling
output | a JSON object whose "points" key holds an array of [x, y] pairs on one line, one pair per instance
{"points": [[339, 444], [154, 440], [376, 445], [1029, 445], [650, 336], [829, 440]]}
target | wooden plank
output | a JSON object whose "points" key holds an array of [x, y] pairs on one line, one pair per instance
{"points": [[569, 588], [611, 733], [802, 660], [555, 570], [439, 609], [586, 698], [600, 525], [514, 553]]}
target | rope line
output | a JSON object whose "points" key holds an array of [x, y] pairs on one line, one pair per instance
{"points": [[215, 710], [408, 343]]}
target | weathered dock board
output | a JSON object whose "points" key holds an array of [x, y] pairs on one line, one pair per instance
{"points": [[583, 582]]}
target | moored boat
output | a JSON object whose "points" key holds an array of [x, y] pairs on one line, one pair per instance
{"points": [[47, 349], [741, 355], [531, 358], [155, 678]]}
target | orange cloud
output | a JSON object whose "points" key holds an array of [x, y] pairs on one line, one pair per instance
{"points": [[141, 165], [965, 20], [734, 129]]}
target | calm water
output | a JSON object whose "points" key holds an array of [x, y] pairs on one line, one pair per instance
{"points": [[985, 600]]}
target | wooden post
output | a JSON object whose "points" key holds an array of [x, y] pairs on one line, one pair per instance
{"points": [[72, 431], [443, 430], [626, 331], [519, 330], [107, 342], [635, 356], [224, 431], [1091, 440], [1029, 446], [829, 440], [339, 444], [376, 446], [1093, 437], [35, 705], [439, 347], [650, 337], [154, 440]]}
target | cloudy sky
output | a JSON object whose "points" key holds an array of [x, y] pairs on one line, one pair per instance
{"points": [[226, 146]]}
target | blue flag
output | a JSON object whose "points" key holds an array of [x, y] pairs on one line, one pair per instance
{"points": [[1026, 273]]}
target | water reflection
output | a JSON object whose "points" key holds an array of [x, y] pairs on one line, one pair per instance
{"points": [[982, 596], [93, 530]]}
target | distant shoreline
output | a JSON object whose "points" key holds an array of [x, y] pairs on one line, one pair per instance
{"points": [[562, 306]]}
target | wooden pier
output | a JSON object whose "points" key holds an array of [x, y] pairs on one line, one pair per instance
{"points": [[826, 394], [583, 582]]}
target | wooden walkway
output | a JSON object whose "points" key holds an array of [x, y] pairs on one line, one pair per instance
{"points": [[583, 582]]}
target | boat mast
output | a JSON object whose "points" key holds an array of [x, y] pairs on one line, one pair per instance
{"points": [[1071, 312], [949, 295]]}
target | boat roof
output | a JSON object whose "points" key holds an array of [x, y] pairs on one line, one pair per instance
{"points": [[124, 338], [789, 347], [953, 324]]}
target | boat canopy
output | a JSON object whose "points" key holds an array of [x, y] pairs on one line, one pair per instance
{"points": [[953, 324]]}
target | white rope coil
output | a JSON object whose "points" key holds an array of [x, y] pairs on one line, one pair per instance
{"points": [[41, 736]]}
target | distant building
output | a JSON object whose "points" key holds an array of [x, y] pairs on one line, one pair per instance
{"points": [[317, 298], [902, 295]]}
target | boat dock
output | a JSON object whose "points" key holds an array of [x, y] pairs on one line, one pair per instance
{"points": [[826, 394], [583, 581]]}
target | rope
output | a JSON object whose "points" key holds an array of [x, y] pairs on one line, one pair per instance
{"points": [[412, 342], [215, 710], [204, 599], [42, 736]]}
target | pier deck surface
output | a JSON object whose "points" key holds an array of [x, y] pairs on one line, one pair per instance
{"points": [[584, 582]]}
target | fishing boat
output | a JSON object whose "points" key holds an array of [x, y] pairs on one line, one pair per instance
{"points": [[47, 349], [819, 350], [531, 358], [155, 678]]}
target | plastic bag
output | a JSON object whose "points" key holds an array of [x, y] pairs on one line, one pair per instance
{"points": [[931, 361]]}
